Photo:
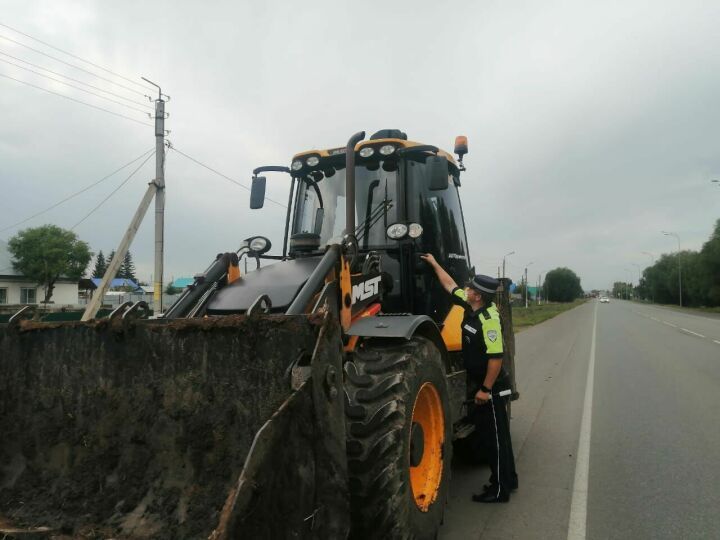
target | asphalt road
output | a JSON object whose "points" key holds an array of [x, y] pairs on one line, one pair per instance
{"points": [[649, 466]]}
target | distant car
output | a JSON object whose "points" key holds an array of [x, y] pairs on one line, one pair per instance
{"points": [[604, 300]]}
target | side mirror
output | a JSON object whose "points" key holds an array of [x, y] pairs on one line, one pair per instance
{"points": [[257, 192], [437, 173]]}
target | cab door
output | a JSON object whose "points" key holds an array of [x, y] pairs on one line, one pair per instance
{"points": [[440, 214]]}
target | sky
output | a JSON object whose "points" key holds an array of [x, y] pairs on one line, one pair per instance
{"points": [[592, 126]]}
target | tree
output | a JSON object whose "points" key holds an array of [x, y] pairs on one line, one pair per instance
{"points": [[127, 268], [110, 257], [100, 265], [562, 285], [45, 254], [621, 289], [710, 261], [700, 276]]}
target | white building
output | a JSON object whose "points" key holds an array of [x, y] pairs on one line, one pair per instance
{"points": [[16, 289]]}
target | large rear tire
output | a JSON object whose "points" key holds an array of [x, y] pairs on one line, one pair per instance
{"points": [[399, 439]]}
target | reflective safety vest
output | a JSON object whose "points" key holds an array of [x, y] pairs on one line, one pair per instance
{"points": [[481, 336]]}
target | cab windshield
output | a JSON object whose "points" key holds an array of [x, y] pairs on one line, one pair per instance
{"points": [[320, 203]]}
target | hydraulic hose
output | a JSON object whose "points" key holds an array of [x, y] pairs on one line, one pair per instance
{"points": [[350, 182]]}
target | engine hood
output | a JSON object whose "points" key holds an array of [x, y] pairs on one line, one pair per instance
{"points": [[280, 281]]}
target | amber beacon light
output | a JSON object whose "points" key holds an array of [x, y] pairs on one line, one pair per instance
{"points": [[461, 148]]}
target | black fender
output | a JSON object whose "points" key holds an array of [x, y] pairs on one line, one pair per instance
{"points": [[401, 326]]}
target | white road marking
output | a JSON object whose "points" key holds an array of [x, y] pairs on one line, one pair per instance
{"points": [[578, 508], [680, 312], [683, 329], [716, 341]]}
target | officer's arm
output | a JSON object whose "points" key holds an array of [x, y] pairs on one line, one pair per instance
{"points": [[493, 370], [447, 282]]}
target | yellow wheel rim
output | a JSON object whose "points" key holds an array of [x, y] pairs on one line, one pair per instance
{"points": [[427, 435]]}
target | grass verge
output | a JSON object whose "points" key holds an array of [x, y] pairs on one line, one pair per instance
{"points": [[534, 314]]}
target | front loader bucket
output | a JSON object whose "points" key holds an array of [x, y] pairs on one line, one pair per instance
{"points": [[173, 429]]}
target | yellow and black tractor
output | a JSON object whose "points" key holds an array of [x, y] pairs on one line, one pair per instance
{"points": [[316, 396]]}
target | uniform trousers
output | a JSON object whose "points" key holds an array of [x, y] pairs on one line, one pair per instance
{"points": [[492, 439]]}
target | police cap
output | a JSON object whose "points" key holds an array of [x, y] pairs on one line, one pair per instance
{"points": [[484, 284]]}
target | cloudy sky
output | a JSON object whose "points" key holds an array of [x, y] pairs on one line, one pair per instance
{"points": [[592, 125]]}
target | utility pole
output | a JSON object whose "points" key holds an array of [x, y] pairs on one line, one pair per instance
{"points": [[506, 255], [159, 199], [526, 285], [156, 189]]}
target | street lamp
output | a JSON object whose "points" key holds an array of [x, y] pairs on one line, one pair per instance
{"points": [[666, 233], [506, 255], [526, 285]]}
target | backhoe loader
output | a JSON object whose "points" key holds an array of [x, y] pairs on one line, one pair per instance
{"points": [[316, 395]]}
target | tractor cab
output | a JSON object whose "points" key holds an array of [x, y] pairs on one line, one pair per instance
{"points": [[405, 203]]}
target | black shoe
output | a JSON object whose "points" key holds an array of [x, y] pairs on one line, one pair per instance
{"points": [[493, 487], [491, 497]]}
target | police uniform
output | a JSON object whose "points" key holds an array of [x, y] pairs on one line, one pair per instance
{"points": [[481, 342]]}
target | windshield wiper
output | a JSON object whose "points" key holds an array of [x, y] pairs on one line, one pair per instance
{"points": [[363, 230], [368, 210]]}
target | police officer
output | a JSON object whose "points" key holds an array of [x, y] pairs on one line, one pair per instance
{"points": [[482, 350]]}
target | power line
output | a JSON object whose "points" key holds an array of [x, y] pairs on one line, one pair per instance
{"points": [[113, 192], [77, 100], [73, 86], [76, 80], [73, 56], [76, 193], [223, 175], [71, 65]]}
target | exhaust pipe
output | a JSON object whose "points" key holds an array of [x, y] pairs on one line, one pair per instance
{"points": [[350, 182]]}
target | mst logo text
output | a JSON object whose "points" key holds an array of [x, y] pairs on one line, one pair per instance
{"points": [[366, 289]]}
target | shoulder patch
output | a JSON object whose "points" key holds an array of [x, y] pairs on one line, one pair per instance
{"points": [[492, 335]]}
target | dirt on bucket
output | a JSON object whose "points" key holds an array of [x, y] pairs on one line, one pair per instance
{"points": [[135, 430]]}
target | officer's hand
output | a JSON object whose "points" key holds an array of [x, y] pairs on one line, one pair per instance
{"points": [[428, 258], [482, 397]]}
